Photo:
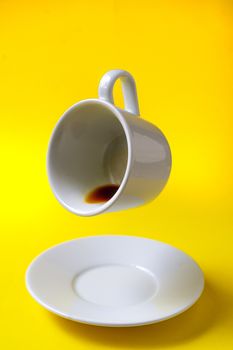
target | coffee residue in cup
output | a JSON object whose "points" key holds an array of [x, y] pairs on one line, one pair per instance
{"points": [[102, 193]]}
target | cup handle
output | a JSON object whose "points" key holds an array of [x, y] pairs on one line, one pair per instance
{"points": [[128, 85]]}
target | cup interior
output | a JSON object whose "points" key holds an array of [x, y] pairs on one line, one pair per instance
{"points": [[88, 150]]}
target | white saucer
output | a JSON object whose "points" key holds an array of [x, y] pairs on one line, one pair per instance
{"points": [[115, 280]]}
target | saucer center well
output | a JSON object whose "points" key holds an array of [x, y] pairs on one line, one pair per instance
{"points": [[115, 285]]}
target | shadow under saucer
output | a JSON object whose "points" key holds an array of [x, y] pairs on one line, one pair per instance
{"points": [[183, 328]]}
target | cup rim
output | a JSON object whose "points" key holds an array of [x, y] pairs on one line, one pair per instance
{"points": [[117, 113]]}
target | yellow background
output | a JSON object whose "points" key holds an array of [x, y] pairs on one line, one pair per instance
{"points": [[52, 54]]}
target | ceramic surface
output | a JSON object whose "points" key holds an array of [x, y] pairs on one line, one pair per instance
{"points": [[115, 280], [95, 143]]}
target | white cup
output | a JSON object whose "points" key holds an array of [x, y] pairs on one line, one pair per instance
{"points": [[96, 143]]}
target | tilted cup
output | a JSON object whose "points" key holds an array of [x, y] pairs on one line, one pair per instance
{"points": [[96, 143]]}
